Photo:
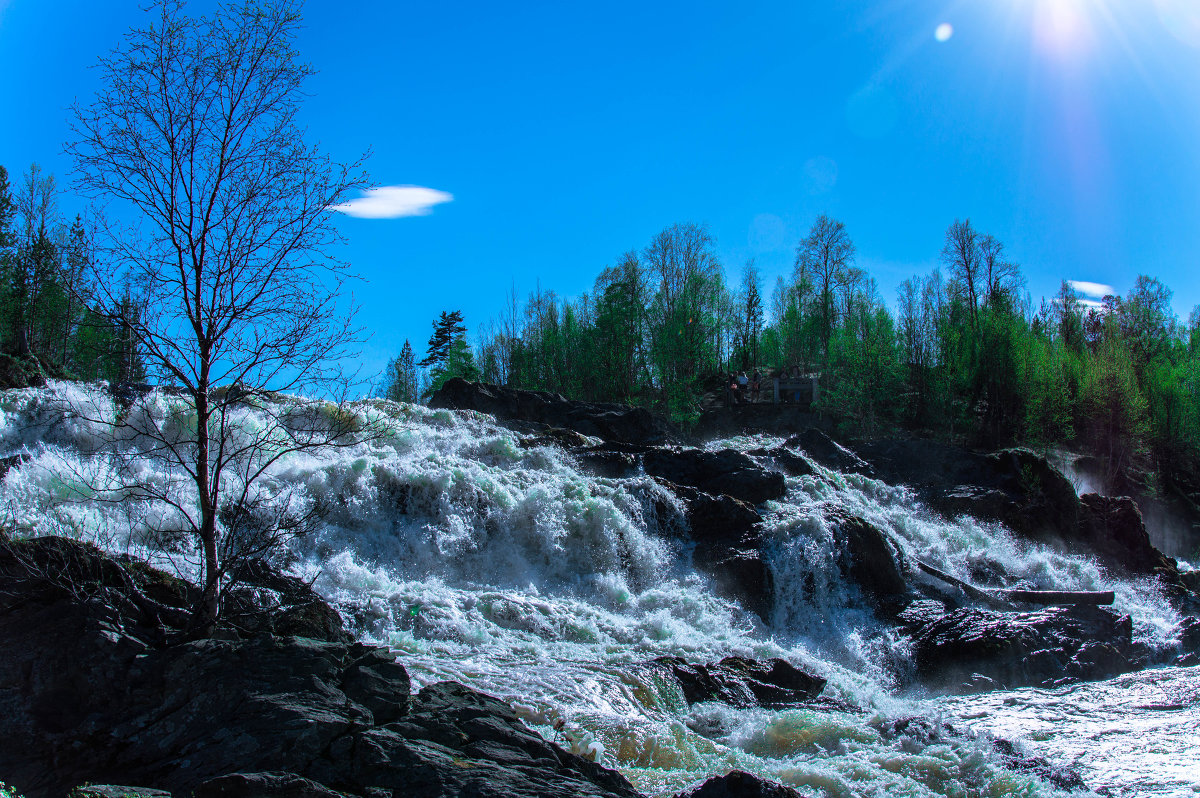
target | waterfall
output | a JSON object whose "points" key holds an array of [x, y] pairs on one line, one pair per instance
{"points": [[478, 557]]}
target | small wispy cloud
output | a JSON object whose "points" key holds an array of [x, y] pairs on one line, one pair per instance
{"points": [[393, 202], [1097, 290]]}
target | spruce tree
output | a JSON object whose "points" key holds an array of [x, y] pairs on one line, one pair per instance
{"points": [[401, 376]]}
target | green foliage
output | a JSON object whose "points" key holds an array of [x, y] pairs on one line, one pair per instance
{"points": [[48, 314], [400, 377]]}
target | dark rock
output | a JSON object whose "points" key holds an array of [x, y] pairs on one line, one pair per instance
{"points": [[1061, 778], [91, 692], [1021, 649], [920, 612], [116, 791], [787, 461], [726, 472], [1015, 487], [14, 461], [611, 460], [738, 784], [264, 600], [768, 417], [727, 534], [1190, 580], [555, 436], [826, 451], [609, 422], [264, 785], [1187, 632], [870, 559], [1112, 528], [742, 682]]}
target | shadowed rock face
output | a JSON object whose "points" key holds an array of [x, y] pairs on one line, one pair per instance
{"points": [[870, 560], [1113, 528], [611, 422], [90, 692]]}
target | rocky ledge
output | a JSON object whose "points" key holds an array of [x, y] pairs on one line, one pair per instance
{"points": [[98, 685]]}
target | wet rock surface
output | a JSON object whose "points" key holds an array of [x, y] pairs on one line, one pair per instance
{"points": [[1015, 486], [1113, 528], [742, 682], [1015, 649], [870, 559], [96, 686], [726, 472]]}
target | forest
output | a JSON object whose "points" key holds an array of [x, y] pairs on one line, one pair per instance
{"points": [[53, 317], [964, 354]]}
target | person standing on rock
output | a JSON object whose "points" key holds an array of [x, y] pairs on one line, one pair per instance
{"points": [[743, 383], [755, 386]]}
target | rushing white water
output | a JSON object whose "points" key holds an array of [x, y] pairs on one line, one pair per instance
{"points": [[509, 568]]}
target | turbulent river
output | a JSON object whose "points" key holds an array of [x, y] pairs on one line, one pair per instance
{"points": [[507, 567]]}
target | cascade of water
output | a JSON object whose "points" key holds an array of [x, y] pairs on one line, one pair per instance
{"points": [[479, 559]]}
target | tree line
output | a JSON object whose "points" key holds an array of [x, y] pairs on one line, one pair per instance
{"points": [[52, 320], [964, 354]]}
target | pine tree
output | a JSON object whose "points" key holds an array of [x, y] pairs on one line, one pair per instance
{"points": [[446, 330]]}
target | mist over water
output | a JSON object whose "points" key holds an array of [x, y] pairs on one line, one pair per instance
{"points": [[478, 558]]}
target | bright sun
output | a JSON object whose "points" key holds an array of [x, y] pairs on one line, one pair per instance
{"points": [[1068, 28]]}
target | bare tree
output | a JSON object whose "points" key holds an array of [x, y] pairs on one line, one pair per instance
{"points": [[825, 255], [961, 253], [195, 135]]}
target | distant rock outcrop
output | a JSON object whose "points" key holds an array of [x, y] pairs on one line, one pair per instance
{"points": [[610, 422]]}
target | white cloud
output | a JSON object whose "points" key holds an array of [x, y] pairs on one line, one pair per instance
{"points": [[392, 202], [1092, 289]]}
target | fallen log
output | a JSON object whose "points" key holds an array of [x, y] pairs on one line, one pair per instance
{"points": [[969, 589], [1043, 597], [1054, 597]]}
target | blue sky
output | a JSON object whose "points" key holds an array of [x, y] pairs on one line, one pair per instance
{"points": [[568, 133]]}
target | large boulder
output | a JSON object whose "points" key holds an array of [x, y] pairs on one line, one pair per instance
{"points": [[726, 471], [869, 558], [826, 451], [727, 537], [1014, 649], [92, 689], [610, 422], [742, 682]]}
